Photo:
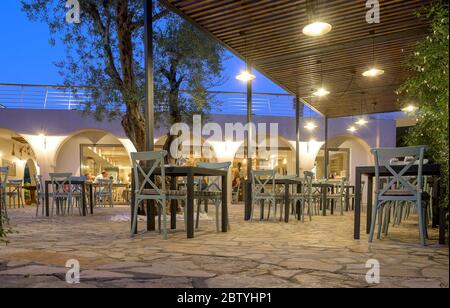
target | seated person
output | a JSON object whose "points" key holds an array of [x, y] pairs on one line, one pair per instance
{"points": [[103, 176]]}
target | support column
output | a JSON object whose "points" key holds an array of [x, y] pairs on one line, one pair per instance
{"points": [[248, 188], [298, 130], [327, 158]]}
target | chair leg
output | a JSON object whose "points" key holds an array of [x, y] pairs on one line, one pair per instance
{"points": [[421, 222], [387, 214], [164, 217], [281, 211], [302, 210], [37, 207], [309, 210], [199, 204], [134, 218], [252, 214], [217, 205], [160, 208], [184, 207], [275, 213], [374, 221], [380, 221]]}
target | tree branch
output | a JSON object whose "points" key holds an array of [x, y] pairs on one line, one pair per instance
{"points": [[104, 31], [139, 24]]}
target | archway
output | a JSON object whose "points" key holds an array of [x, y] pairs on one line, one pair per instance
{"points": [[346, 152], [89, 152], [18, 155]]}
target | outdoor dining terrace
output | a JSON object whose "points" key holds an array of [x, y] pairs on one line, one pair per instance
{"points": [[358, 208]]}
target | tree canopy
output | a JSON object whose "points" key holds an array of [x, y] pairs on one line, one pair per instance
{"points": [[105, 52]]}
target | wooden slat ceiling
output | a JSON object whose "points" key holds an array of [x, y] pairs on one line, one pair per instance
{"points": [[269, 34]]}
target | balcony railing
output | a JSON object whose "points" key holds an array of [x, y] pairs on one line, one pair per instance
{"points": [[23, 96]]}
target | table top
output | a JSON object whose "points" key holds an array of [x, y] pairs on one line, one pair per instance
{"points": [[186, 170], [428, 169], [288, 180]]}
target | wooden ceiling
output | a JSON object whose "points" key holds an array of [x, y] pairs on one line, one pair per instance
{"points": [[269, 34]]}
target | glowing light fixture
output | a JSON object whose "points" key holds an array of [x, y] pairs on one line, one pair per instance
{"points": [[409, 109], [317, 28], [321, 92], [352, 129], [362, 122], [373, 72], [310, 126], [245, 76]]}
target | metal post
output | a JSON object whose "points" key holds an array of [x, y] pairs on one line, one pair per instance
{"points": [[248, 192], [149, 95], [326, 150], [297, 143]]}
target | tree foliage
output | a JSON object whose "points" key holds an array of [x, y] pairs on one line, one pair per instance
{"points": [[428, 87], [105, 52]]}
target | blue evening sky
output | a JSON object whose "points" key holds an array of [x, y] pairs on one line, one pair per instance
{"points": [[27, 57]]}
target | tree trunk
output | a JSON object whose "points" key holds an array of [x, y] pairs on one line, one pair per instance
{"points": [[133, 123]]}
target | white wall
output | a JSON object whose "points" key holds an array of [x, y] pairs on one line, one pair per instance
{"points": [[359, 156]]}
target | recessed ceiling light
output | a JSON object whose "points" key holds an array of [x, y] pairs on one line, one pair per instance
{"points": [[317, 29], [373, 72]]}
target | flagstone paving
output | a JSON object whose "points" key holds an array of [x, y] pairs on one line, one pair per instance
{"points": [[321, 253]]}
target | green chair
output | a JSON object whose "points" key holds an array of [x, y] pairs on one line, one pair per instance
{"points": [[15, 192], [263, 190], [62, 197], [103, 191], [146, 187], [399, 188], [305, 196], [40, 195], [338, 195], [212, 192]]}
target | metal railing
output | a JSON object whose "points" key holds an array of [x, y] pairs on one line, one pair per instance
{"points": [[26, 96], [23, 96]]}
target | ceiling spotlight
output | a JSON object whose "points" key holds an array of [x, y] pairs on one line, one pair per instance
{"points": [[373, 72], [317, 29], [321, 92], [245, 76]]}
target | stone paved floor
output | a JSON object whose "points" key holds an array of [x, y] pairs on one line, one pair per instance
{"points": [[320, 253]]}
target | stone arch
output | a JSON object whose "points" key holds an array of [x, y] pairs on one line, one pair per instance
{"points": [[16, 150]]}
